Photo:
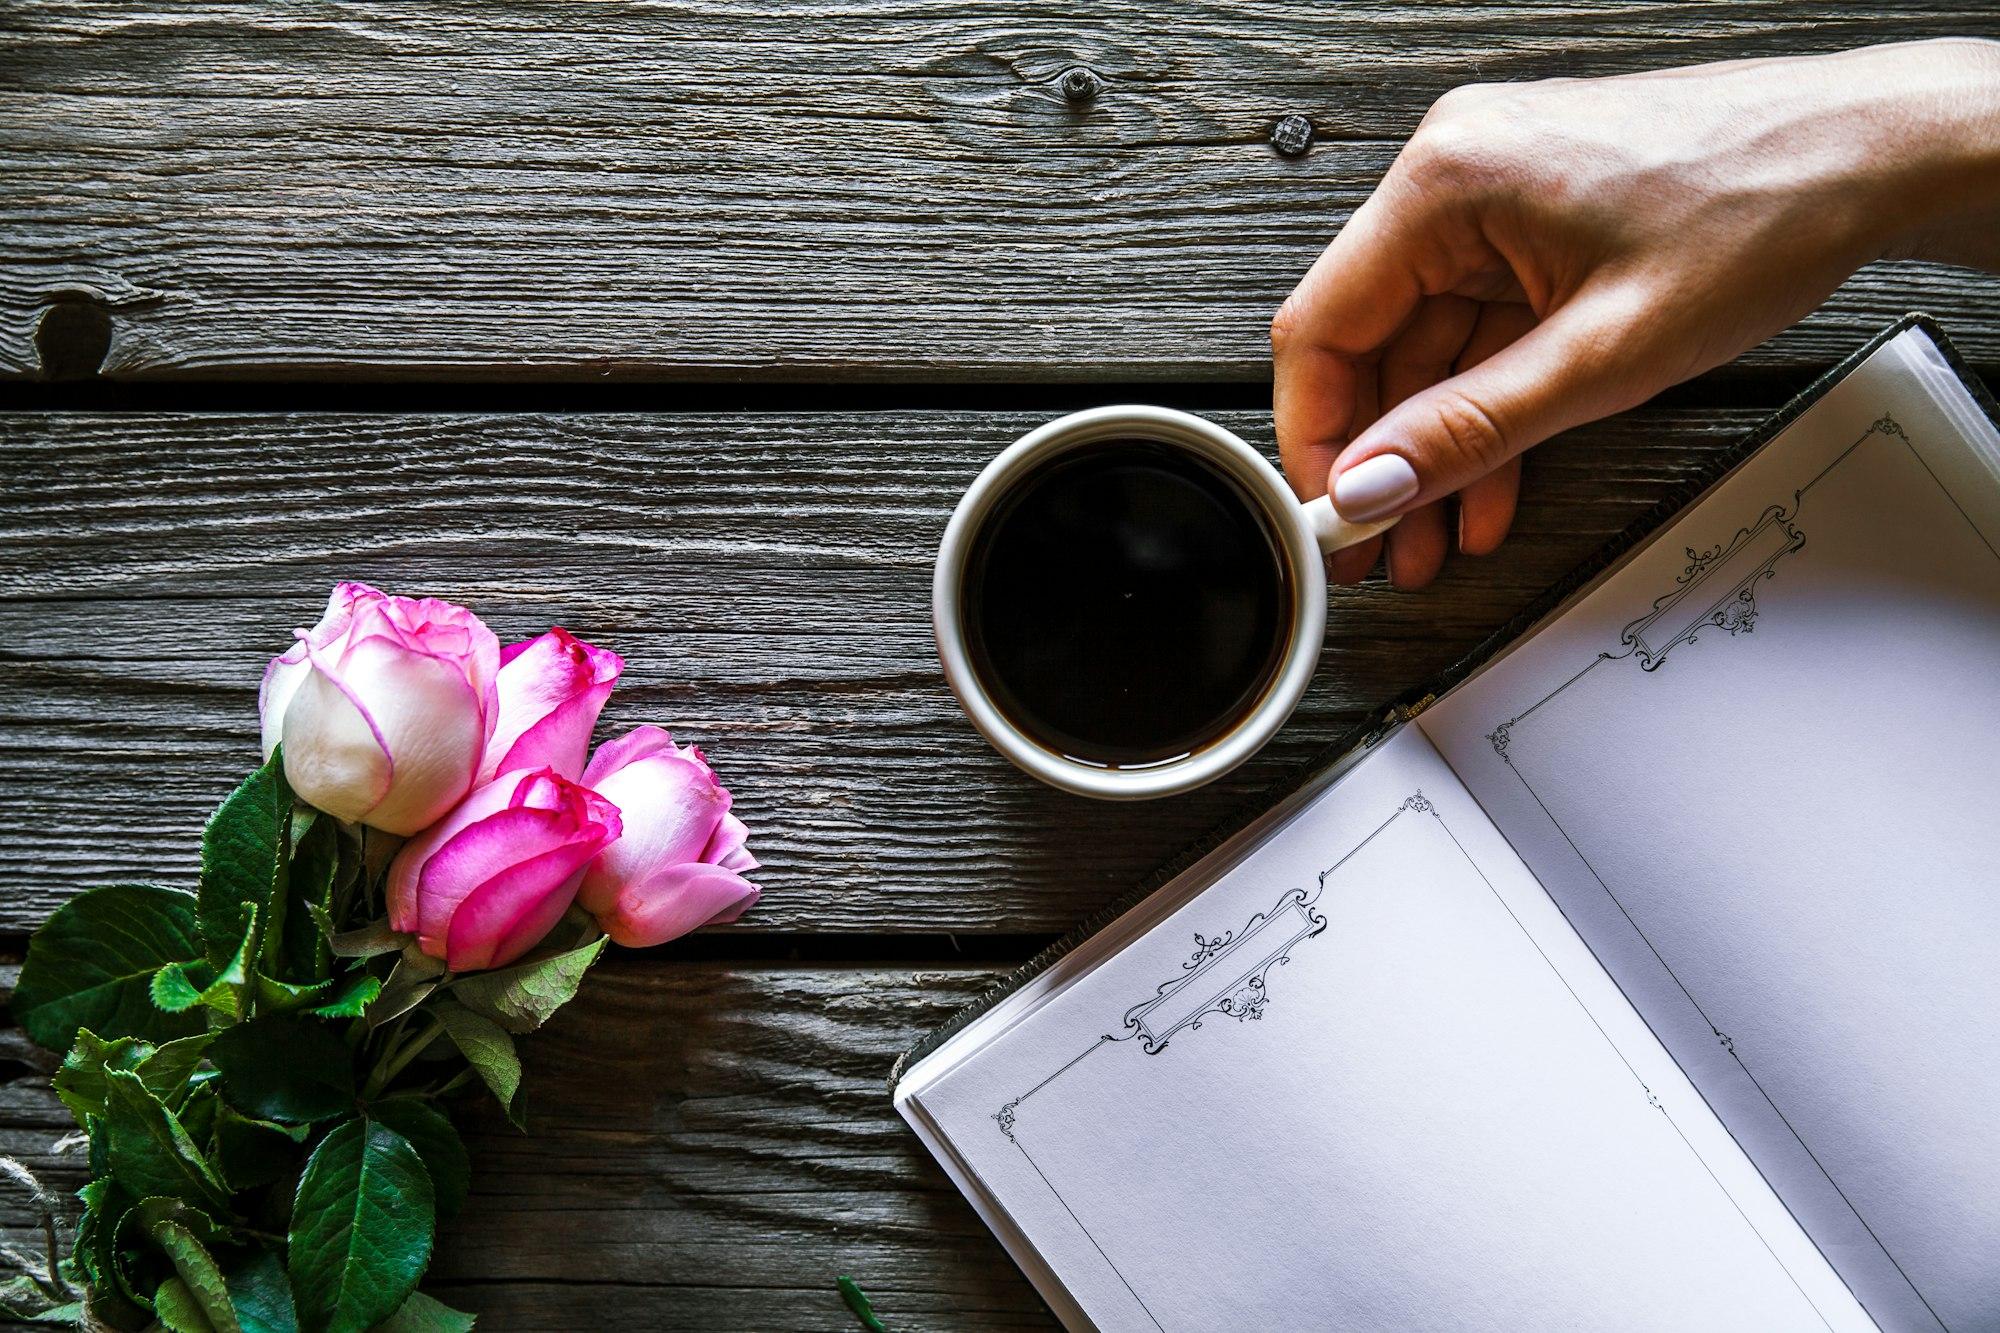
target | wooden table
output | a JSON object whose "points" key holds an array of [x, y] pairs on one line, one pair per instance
{"points": [[683, 325]]}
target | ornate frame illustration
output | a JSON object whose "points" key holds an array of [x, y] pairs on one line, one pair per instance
{"points": [[1243, 996], [1734, 611], [1719, 583]]}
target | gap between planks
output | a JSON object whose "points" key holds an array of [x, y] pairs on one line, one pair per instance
{"points": [[1735, 386]]}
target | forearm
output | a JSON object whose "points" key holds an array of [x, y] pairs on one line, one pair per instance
{"points": [[1941, 177]]}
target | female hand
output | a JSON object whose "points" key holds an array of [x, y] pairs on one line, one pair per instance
{"points": [[1543, 254]]}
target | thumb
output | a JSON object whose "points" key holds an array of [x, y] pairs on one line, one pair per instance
{"points": [[1583, 362]]}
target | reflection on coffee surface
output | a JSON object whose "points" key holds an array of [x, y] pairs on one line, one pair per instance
{"points": [[1127, 603]]}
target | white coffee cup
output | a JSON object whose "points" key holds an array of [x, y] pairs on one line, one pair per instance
{"points": [[1308, 532]]}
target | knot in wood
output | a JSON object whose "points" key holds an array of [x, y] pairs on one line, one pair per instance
{"points": [[1292, 135], [1080, 84]]}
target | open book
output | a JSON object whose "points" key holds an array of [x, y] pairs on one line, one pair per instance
{"points": [[1649, 978]]}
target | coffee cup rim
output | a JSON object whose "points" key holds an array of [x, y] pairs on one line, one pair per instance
{"points": [[1307, 631]]}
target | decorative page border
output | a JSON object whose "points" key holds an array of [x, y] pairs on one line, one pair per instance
{"points": [[1242, 994], [1210, 983], [1721, 582], [1727, 601], [1733, 610]]}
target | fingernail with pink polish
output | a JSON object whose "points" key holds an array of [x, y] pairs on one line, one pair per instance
{"points": [[1375, 488]]}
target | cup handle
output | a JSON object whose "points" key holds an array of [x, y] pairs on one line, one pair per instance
{"points": [[1335, 533]]}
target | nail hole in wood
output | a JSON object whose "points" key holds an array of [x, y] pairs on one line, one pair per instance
{"points": [[1080, 84]]}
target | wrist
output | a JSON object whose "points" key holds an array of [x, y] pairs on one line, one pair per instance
{"points": [[1931, 150]]}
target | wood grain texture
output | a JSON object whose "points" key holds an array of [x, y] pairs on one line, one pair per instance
{"points": [[884, 189], [708, 1148], [766, 577]]}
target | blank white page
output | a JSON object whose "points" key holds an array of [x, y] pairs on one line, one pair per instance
{"points": [[1756, 767], [1368, 1079]]}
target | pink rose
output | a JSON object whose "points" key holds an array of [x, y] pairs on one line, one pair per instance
{"points": [[551, 690], [384, 707], [484, 884], [680, 861]]}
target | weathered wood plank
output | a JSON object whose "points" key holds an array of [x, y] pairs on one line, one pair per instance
{"points": [[708, 1148], [721, 188], [766, 577]]}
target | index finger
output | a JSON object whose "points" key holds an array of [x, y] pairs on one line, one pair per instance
{"points": [[1351, 302]]}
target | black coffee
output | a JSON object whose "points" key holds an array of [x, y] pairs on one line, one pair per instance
{"points": [[1127, 603]]}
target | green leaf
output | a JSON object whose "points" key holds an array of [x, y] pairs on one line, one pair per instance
{"points": [[104, 1209], [180, 986], [243, 855], [199, 1272], [857, 1301], [69, 1316], [299, 951], [490, 1050], [197, 1112], [283, 997], [521, 998], [323, 921], [431, 1133], [148, 1214], [92, 964], [98, 1152], [283, 1068], [262, 1295], [350, 998], [361, 1228], [150, 1153], [168, 1068], [164, 1070], [415, 975], [177, 987], [253, 1152], [230, 993], [80, 1081], [422, 1314], [177, 1309]]}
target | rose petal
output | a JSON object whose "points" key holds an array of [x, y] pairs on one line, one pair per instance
{"points": [[274, 693], [669, 807], [511, 910], [335, 756], [338, 618], [430, 724], [550, 694], [510, 913], [477, 853], [675, 902], [435, 628], [413, 855], [285, 671], [562, 738], [636, 744], [725, 846]]}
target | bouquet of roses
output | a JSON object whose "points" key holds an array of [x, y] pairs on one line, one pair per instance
{"points": [[423, 868]]}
